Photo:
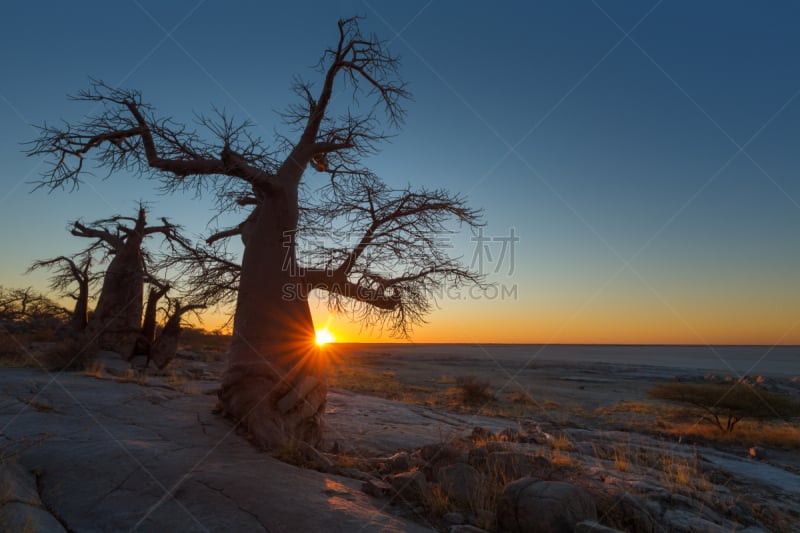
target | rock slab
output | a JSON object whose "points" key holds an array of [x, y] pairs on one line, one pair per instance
{"points": [[532, 506]]}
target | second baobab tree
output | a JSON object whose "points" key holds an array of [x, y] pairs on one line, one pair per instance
{"points": [[308, 183]]}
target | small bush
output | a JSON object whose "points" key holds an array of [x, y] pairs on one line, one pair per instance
{"points": [[73, 353], [725, 405], [12, 347], [474, 390]]}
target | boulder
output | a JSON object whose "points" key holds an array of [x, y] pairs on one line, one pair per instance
{"points": [[399, 462], [23, 517], [460, 482], [464, 528], [529, 505], [688, 522], [635, 514], [757, 452], [590, 526], [18, 485], [411, 487], [455, 519], [434, 456], [376, 487]]}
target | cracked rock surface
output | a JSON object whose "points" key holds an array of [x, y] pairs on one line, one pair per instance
{"points": [[113, 456]]}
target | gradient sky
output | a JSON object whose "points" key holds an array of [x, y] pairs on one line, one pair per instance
{"points": [[645, 154]]}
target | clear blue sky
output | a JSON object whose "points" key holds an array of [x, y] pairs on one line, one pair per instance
{"points": [[646, 154]]}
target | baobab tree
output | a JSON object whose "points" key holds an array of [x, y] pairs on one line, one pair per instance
{"points": [[69, 271], [165, 345], [274, 382], [158, 290], [117, 319]]}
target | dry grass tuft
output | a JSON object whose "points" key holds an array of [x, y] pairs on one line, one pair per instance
{"points": [[94, 369], [748, 433], [438, 502], [383, 385]]}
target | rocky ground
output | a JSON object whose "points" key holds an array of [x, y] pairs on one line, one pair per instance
{"points": [[111, 449]]}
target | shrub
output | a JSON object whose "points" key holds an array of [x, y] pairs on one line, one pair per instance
{"points": [[473, 390], [725, 405], [12, 347], [72, 353]]}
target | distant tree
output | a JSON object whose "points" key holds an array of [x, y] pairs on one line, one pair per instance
{"points": [[69, 271], [166, 344], [725, 405], [274, 383], [158, 290], [27, 308]]}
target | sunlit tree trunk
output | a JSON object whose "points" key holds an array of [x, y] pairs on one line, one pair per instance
{"points": [[274, 382]]}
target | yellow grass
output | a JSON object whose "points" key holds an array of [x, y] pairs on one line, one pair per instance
{"points": [[94, 370], [748, 433], [438, 503], [383, 385]]}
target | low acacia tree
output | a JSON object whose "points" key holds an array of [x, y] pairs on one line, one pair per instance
{"points": [[725, 405], [274, 382]]}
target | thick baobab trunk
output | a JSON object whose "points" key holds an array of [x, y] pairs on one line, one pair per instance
{"points": [[117, 317], [274, 383]]}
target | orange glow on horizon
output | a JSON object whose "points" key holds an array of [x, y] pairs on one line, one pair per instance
{"points": [[567, 322]]}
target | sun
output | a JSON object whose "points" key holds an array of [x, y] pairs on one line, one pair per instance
{"points": [[324, 336]]}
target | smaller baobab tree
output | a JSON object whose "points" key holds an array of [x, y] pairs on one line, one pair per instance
{"points": [[117, 319], [66, 272], [165, 345], [158, 290]]}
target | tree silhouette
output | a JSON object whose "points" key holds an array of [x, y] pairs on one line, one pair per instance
{"points": [[66, 272], [274, 383], [158, 289], [117, 319], [28, 308], [166, 344]]}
